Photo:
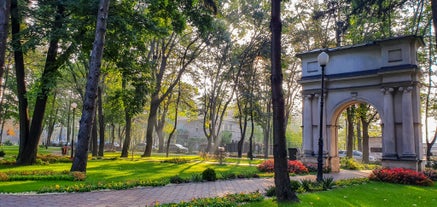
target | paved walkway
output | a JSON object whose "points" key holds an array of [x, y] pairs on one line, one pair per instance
{"points": [[148, 196]]}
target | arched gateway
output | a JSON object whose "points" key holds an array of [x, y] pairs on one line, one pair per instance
{"points": [[381, 73]]}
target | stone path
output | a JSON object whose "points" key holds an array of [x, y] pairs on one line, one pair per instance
{"points": [[148, 196]]}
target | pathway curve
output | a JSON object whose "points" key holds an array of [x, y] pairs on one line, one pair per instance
{"points": [[148, 196]]}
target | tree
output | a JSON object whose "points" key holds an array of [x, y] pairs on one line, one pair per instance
{"points": [[4, 25], [366, 114], [81, 156], [284, 191]]}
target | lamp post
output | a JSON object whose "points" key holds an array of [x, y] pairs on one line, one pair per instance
{"points": [[73, 105], [323, 59]]}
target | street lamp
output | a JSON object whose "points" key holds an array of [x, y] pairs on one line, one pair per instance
{"points": [[323, 59], [73, 105]]}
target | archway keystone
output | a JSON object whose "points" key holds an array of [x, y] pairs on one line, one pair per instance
{"points": [[382, 73]]}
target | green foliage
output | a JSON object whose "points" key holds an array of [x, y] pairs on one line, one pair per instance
{"points": [[350, 182], [271, 191], [87, 187], [177, 160], [327, 183], [350, 164], [2, 153], [366, 194], [196, 177], [177, 179], [209, 175], [229, 200], [431, 173]]}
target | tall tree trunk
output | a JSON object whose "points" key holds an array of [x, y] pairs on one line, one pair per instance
{"points": [[359, 136], [81, 158], [154, 104], [170, 136], [127, 139], [94, 148], [284, 191], [51, 127], [30, 147], [266, 130], [365, 142], [350, 112], [101, 122], [5, 6], [20, 77], [51, 121]]}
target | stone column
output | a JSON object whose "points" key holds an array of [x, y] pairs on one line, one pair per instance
{"points": [[389, 143], [407, 124], [316, 134], [308, 126]]}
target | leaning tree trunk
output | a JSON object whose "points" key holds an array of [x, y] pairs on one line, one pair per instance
{"points": [[284, 190], [81, 157]]}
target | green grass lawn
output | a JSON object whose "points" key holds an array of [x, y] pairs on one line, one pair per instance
{"points": [[370, 194], [121, 169]]}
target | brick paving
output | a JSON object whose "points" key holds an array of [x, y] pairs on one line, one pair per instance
{"points": [[148, 196]]}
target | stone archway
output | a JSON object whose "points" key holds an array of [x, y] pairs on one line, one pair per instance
{"points": [[382, 73]]}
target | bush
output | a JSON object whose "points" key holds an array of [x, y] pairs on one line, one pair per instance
{"points": [[271, 191], [297, 167], [209, 175], [401, 176], [295, 184], [2, 153], [196, 177], [327, 183], [431, 174], [312, 168], [4, 176], [350, 164], [78, 176], [294, 166], [177, 179]]}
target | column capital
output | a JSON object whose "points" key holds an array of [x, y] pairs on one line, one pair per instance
{"points": [[387, 90], [309, 96], [406, 89]]}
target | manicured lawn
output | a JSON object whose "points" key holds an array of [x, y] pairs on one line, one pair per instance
{"points": [[369, 194], [121, 170]]}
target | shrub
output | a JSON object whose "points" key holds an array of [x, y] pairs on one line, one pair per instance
{"points": [[177, 179], [295, 184], [307, 184], [431, 174], [271, 191], [4, 176], [297, 167], [327, 183], [401, 176], [294, 166], [2, 153], [312, 168], [209, 175], [350, 163], [228, 176], [225, 201], [196, 177], [78, 176]]}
